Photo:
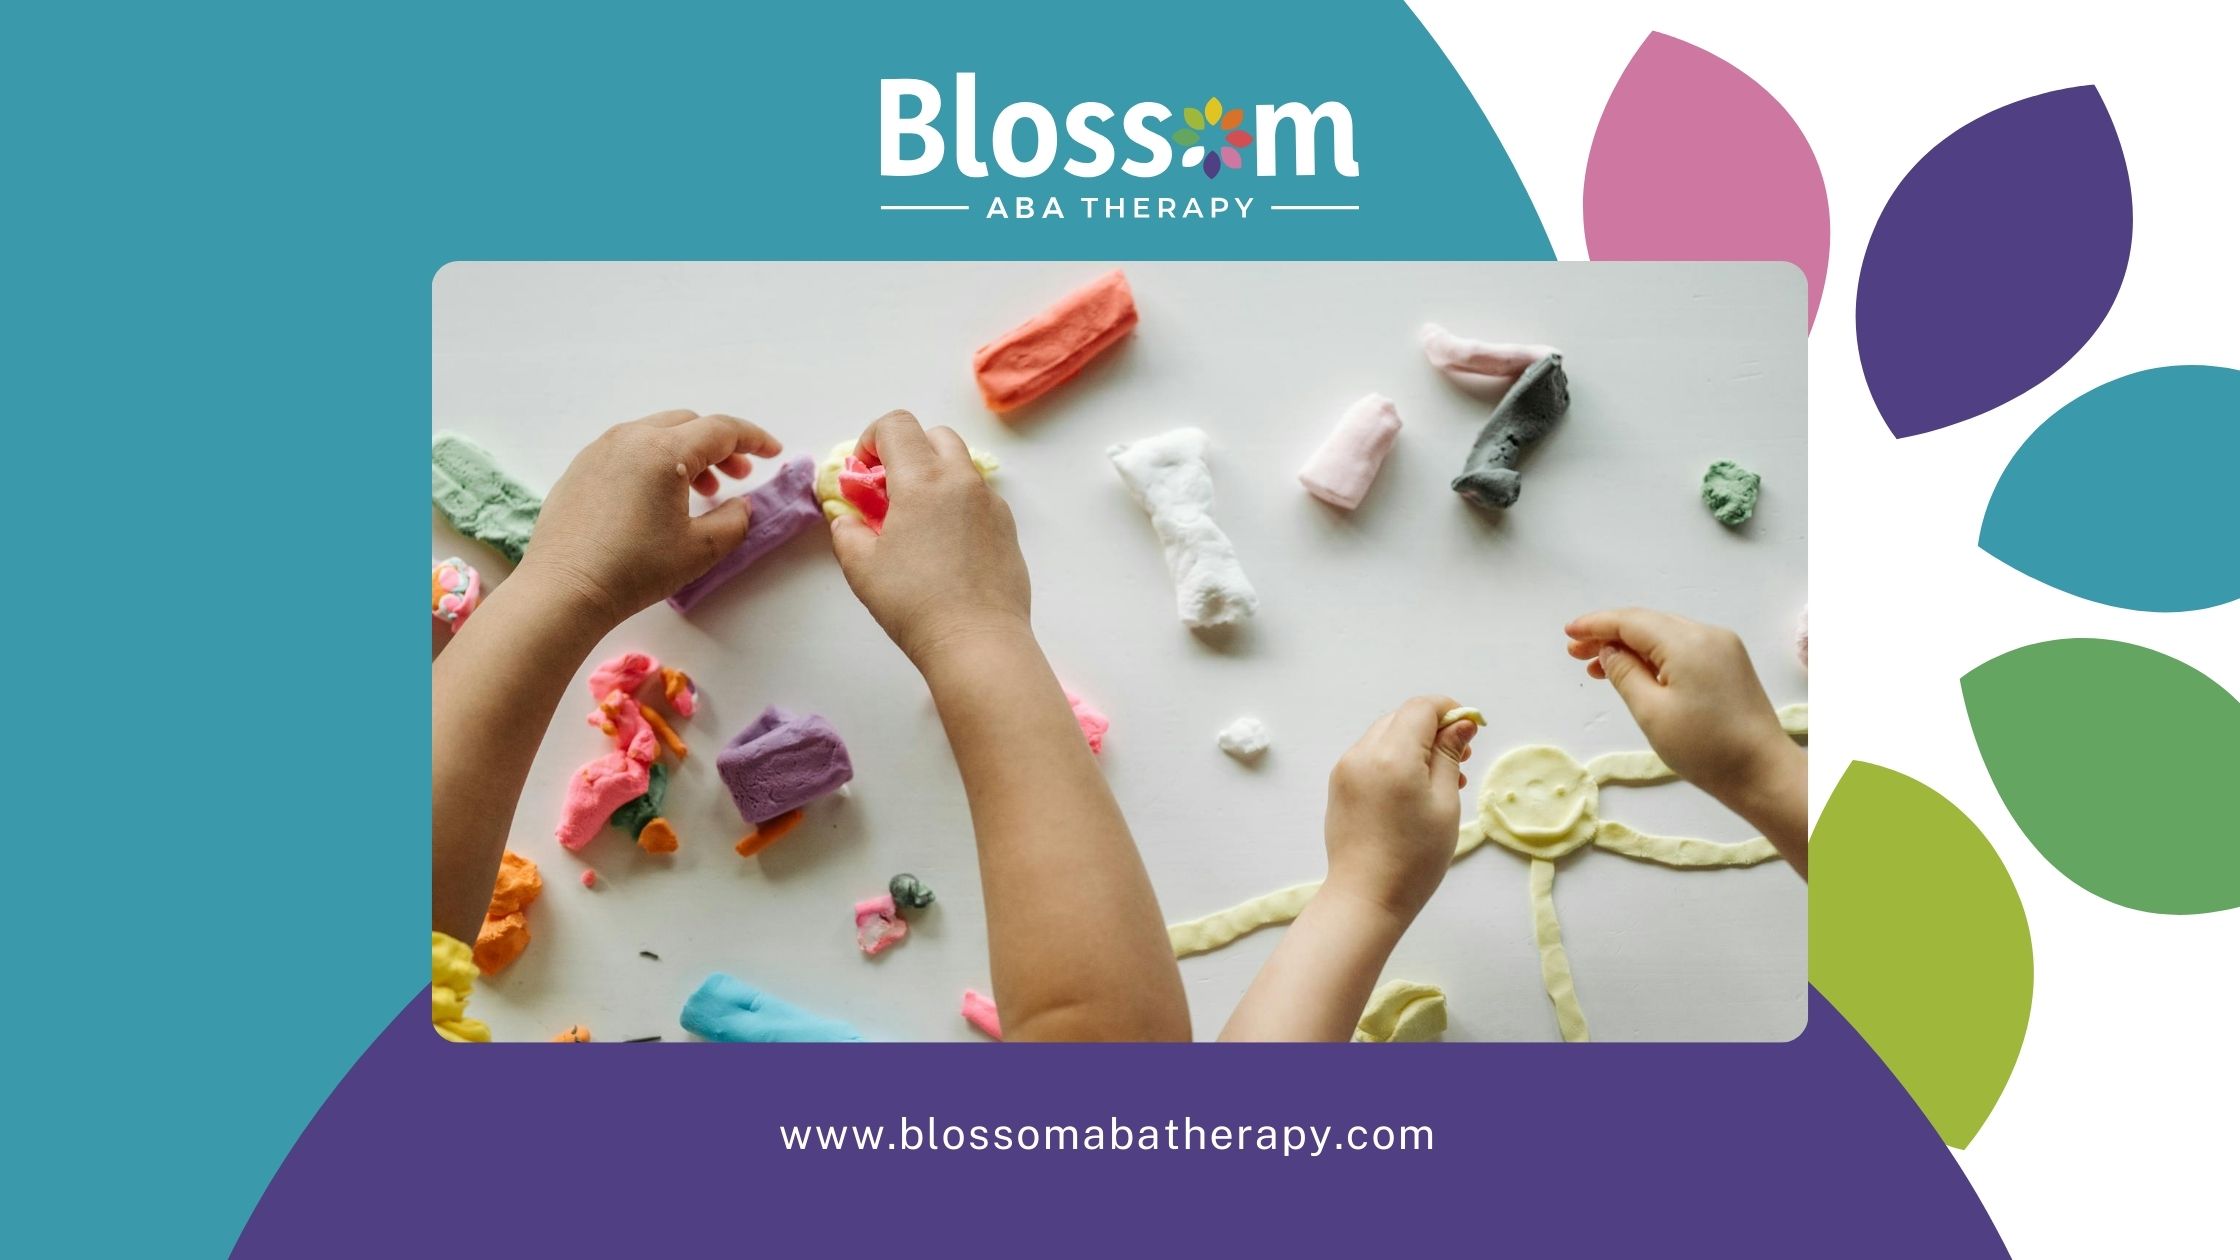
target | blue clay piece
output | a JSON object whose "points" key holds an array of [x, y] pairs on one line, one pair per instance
{"points": [[725, 1008]]}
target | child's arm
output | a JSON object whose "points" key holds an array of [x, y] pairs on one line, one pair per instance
{"points": [[1078, 950], [1390, 831], [1692, 690], [613, 537]]}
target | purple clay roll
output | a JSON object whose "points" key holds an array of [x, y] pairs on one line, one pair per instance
{"points": [[783, 506]]}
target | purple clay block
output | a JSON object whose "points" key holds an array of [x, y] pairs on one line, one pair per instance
{"points": [[783, 507], [782, 762]]}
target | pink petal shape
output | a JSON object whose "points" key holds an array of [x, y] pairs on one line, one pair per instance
{"points": [[1694, 161], [1231, 158]]}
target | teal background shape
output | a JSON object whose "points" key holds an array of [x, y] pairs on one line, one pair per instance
{"points": [[226, 221]]}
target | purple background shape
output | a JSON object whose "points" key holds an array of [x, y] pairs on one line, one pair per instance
{"points": [[1809, 1148], [1994, 261]]}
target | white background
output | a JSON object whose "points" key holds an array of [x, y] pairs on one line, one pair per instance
{"points": [[2116, 1134], [1672, 366]]}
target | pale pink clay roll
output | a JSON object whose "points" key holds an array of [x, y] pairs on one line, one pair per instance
{"points": [[1341, 471], [1479, 363]]}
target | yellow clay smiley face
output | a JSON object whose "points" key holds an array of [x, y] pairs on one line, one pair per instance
{"points": [[1538, 800]]}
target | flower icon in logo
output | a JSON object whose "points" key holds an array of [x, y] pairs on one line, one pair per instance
{"points": [[1211, 153]]}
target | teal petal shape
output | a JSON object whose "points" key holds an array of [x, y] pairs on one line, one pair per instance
{"points": [[2125, 496], [2113, 760]]}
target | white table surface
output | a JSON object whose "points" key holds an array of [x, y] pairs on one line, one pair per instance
{"points": [[1672, 366]]}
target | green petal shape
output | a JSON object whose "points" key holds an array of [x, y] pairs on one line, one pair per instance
{"points": [[1183, 135], [1917, 936], [1193, 117], [2111, 757]]}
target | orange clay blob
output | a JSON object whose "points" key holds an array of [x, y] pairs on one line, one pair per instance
{"points": [[1052, 348], [500, 941], [519, 883], [573, 1032], [505, 925], [677, 689], [766, 834], [658, 837]]}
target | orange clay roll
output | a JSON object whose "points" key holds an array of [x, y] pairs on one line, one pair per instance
{"points": [[662, 731], [1052, 348], [768, 833]]}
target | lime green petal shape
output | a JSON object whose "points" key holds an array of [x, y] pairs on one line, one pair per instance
{"points": [[2110, 756], [1919, 939], [1193, 117]]}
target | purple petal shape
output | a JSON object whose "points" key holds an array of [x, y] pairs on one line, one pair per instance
{"points": [[1994, 261], [1693, 160], [1213, 165]]}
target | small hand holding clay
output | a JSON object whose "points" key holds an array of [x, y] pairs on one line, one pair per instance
{"points": [[1390, 831], [946, 561], [617, 531], [1695, 695], [1393, 808], [1077, 948], [614, 535]]}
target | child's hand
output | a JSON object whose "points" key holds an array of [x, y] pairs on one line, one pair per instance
{"points": [[616, 531], [1692, 690], [946, 564], [1394, 806]]}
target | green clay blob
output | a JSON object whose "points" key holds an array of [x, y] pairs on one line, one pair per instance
{"points": [[909, 893], [636, 813], [1730, 491], [479, 499]]}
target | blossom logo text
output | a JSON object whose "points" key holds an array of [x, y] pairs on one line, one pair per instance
{"points": [[923, 132]]}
